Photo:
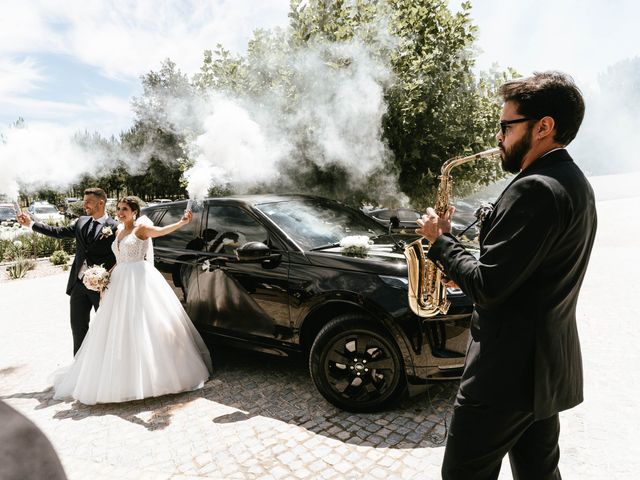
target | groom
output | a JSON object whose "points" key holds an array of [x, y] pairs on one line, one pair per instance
{"points": [[94, 234]]}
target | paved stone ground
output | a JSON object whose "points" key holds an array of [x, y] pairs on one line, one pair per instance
{"points": [[260, 417]]}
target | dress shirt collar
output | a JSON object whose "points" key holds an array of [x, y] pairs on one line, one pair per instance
{"points": [[101, 220]]}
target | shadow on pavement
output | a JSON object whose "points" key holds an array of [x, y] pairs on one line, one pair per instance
{"points": [[280, 388], [158, 410]]}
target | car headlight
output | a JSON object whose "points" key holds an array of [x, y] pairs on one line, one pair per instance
{"points": [[395, 282]]}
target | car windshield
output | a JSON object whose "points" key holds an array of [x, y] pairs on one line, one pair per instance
{"points": [[45, 210], [7, 211], [318, 222]]}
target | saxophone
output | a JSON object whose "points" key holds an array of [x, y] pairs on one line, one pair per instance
{"points": [[427, 293]]}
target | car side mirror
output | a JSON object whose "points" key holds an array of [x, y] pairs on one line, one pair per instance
{"points": [[394, 222], [253, 252]]}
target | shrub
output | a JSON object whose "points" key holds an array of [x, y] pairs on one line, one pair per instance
{"points": [[59, 257], [20, 267], [14, 250]]}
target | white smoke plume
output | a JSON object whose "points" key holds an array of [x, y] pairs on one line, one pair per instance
{"points": [[335, 119], [35, 156], [606, 142], [41, 155], [234, 149]]}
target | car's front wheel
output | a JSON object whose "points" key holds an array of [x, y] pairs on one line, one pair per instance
{"points": [[356, 365]]}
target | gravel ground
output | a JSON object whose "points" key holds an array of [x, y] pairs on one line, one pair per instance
{"points": [[43, 268]]}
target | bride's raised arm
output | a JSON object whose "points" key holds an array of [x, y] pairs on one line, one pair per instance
{"points": [[151, 231]]}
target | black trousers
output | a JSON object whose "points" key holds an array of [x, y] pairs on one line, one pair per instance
{"points": [[82, 299], [480, 437]]}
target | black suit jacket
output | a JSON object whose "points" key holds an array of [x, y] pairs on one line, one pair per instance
{"points": [[96, 252], [524, 352]]}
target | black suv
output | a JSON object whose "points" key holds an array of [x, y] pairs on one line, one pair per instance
{"points": [[267, 273]]}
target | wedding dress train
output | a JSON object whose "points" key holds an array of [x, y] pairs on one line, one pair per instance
{"points": [[141, 343]]}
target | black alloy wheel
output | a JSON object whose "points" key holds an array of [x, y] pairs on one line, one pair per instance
{"points": [[356, 365]]}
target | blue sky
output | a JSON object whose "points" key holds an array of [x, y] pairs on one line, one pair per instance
{"points": [[79, 67]]}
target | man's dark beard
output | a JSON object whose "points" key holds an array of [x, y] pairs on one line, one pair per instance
{"points": [[512, 160]]}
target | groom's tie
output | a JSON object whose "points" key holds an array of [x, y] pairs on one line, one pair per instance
{"points": [[92, 231]]}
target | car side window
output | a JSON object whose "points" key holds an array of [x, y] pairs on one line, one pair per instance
{"points": [[229, 227], [182, 237], [155, 214]]}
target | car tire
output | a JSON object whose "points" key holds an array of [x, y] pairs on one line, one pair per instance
{"points": [[356, 365]]}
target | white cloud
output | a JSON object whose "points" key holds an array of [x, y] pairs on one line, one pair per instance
{"points": [[19, 76], [126, 38], [110, 104], [29, 26], [108, 115]]}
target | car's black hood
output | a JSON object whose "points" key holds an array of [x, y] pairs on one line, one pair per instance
{"points": [[385, 257]]}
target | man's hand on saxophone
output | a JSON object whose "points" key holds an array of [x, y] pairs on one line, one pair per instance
{"points": [[431, 226]]}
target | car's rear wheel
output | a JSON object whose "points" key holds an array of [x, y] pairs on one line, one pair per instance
{"points": [[356, 365]]}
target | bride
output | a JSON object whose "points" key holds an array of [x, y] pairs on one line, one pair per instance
{"points": [[141, 342]]}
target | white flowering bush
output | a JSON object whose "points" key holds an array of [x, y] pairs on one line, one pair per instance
{"points": [[12, 232]]}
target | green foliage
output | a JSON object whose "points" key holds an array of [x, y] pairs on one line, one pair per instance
{"points": [[59, 257], [437, 108], [5, 245], [34, 245], [14, 249]]}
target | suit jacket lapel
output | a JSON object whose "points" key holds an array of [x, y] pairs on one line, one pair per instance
{"points": [[83, 231]]}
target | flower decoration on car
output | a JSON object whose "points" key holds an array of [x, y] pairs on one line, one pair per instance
{"points": [[355, 246], [483, 211], [106, 232]]}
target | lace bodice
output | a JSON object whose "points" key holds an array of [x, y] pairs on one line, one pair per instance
{"points": [[130, 248]]}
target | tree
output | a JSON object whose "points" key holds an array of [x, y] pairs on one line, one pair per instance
{"points": [[436, 107], [155, 141]]}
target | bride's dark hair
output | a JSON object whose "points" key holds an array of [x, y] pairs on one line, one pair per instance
{"points": [[133, 202]]}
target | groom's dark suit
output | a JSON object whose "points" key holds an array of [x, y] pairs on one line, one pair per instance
{"points": [[93, 246], [524, 355]]}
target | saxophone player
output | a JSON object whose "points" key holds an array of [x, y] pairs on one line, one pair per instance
{"points": [[524, 362]]}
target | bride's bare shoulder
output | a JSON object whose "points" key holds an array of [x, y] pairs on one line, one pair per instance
{"points": [[141, 232]]}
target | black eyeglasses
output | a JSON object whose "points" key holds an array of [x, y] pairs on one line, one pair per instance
{"points": [[505, 123]]}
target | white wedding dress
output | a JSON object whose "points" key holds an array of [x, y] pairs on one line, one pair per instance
{"points": [[141, 343]]}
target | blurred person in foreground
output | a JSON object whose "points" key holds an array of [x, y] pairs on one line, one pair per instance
{"points": [[523, 364], [25, 452]]}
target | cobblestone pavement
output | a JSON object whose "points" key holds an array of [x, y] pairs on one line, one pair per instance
{"points": [[260, 417]]}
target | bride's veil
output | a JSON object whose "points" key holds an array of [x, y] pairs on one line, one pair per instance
{"points": [[144, 220]]}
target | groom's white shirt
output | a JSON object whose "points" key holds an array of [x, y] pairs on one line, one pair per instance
{"points": [[84, 266]]}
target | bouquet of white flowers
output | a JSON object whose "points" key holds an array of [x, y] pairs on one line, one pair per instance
{"points": [[96, 278], [355, 246]]}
